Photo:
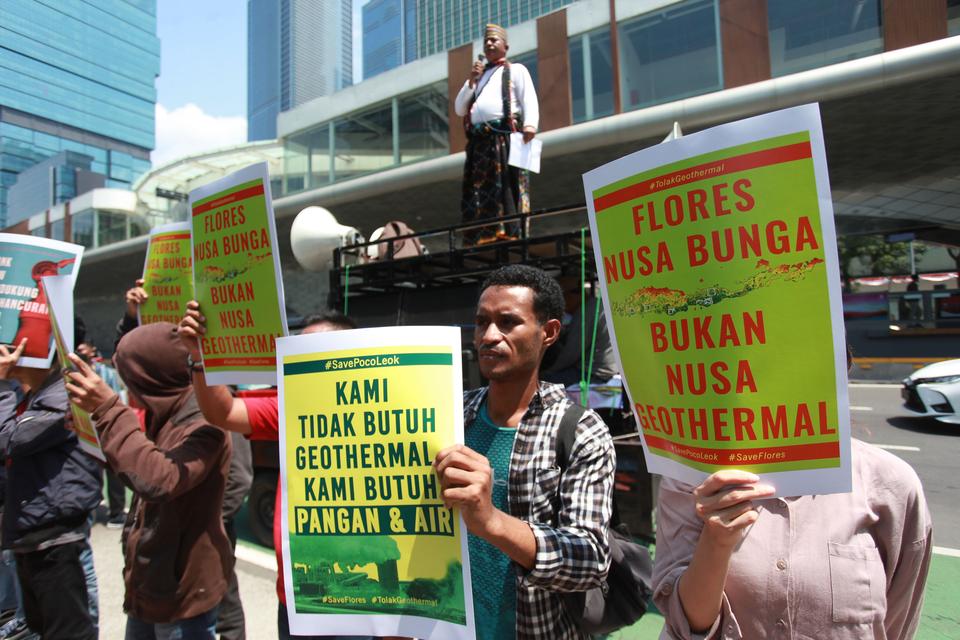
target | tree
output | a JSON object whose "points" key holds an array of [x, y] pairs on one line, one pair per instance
{"points": [[876, 256]]}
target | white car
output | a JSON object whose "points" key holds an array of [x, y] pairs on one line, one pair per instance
{"points": [[934, 391]]}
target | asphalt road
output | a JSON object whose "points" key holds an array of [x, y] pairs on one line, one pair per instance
{"points": [[932, 449], [256, 571]]}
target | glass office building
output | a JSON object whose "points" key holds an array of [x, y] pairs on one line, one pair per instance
{"points": [[297, 50], [263, 68], [443, 25], [77, 77], [389, 35]]}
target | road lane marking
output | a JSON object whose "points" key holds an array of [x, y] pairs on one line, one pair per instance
{"points": [[874, 385], [256, 557], [896, 447], [859, 408], [947, 551]]}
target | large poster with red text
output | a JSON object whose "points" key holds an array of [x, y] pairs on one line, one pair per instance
{"points": [[717, 260], [236, 277]]}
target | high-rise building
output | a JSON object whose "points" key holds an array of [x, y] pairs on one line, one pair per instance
{"points": [[297, 50], [263, 68], [389, 35], [76, 77], [442, 25]]}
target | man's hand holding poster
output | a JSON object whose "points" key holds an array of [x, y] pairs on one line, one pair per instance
{"points": [[716, 255], [236, 277], [368, 546], [24, 260]]}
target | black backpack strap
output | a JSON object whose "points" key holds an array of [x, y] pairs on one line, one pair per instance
{"points": [[566, 436]]}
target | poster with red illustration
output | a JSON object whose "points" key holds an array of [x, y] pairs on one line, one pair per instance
{"points": [[24, 260]]}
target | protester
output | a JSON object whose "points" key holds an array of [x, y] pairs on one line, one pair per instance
{"points": [[550, 536], [116, 494], [134, 297], [567, 364], [177, 556], [231, 622], [497, 99], [734, 563], [256, 417], [52, 487]]}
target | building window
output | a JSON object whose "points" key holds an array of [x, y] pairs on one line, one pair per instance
{"points": [[953, 17], [363, 143], [591, 75], [111, 227], [816, 33], [406, 129], [423, 131], [57, 228], [669, 55], [529, 60], [81, 227]]}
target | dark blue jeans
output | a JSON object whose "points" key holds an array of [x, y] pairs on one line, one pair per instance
{"points": [[201, 627]]}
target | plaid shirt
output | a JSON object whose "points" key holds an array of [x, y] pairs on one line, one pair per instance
{"points": [[569, 515]]}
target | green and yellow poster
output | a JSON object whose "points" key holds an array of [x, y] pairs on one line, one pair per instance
{"points": [[59, 294], [167, 274], [716, 255], [368, 546], [236, 277]]}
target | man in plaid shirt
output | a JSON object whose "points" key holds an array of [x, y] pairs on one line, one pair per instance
{"points": [[535, 533]]}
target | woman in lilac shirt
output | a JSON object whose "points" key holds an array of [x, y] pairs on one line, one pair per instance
{"points": [[734, 563]]}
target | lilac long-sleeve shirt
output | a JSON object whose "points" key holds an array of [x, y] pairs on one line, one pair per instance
{"points": [[839, 566]]}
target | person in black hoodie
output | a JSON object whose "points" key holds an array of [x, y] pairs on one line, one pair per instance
{"points": [[52, 486]]}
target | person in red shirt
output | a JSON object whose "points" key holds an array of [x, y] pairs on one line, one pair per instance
{"points": [[256, 417]]}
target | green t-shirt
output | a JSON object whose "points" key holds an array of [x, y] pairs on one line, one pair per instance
{"points": [[493, 577]]}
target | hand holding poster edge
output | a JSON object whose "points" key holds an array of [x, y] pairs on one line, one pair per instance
{"points": [[313, 348], [670, 156], [59, 291], [221, 372]]}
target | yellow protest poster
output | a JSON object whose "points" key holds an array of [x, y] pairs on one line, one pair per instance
{"points": [[167, 274], [717, 259], [368, 546], [59, 295]]}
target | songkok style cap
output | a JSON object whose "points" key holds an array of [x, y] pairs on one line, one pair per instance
{"points": [[496, 31]]}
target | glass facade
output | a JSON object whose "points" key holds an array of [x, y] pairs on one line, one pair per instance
{"points": [[263, 69], [406, 129], [445, 24], [89, 65], [591, 75], [953, 17], [77, 76], [670, 54], [23, 147], [389, 35], [816, 33], [529, 60], [297, 50]]}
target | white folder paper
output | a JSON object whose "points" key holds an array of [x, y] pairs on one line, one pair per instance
{"points": [[525, 155]]}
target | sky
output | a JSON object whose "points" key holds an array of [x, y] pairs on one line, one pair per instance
{"points": [[202, 88]]}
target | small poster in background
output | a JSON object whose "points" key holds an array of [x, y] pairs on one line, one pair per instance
{"points": [[718, 266], [236, 277], [167, 274], [24, 261], [368, 546]]}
